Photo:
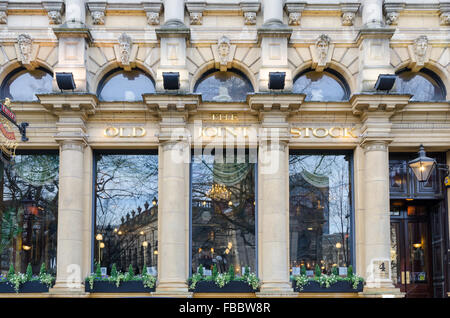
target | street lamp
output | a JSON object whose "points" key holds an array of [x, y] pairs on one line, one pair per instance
{"points": [[338, 246], [422, 166], [99, 238], [145, 245]]}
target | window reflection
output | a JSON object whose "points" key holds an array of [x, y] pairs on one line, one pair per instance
{"points": [[29, 213], [127, 86], [23, 85], [224, 87], [422, 86], [319, 211], [320, 86], [223, 214], [126, 191]]}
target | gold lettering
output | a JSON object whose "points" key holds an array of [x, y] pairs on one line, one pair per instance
{"points": [[332, 134], [296, 132], [349, 132], [205, 132], [307, 133], [139, 132], [231, 130], [111, 132], [325, 132]]}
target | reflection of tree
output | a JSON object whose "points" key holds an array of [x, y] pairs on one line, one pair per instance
{"points": [[124, 184], [320, 217], [28, 211], [217, 222]]}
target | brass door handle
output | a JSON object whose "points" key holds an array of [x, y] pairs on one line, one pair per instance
{"points": [[408, 278], [402, 277]]}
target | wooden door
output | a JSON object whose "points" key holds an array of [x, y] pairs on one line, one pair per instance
{"points": [[439, 249]]}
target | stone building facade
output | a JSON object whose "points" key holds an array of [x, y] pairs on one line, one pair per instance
{"points": [[354, 41]]}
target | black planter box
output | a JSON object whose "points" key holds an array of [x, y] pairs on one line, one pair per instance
{"points": [[338, 287], [231, 287], [124, 287], [27, 287]]}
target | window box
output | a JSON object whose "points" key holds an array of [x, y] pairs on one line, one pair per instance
{"points": [[231, 287], [338, 287], [27, 287], [124, 287]]}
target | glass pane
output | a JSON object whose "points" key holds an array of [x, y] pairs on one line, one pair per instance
{"points": [[24, 85], [417, 236], [29, 213], [395, 253], [420, 85], [320, 211], [320, 86], [126, 211], [224, 87], [223, 214], [126, 86]]}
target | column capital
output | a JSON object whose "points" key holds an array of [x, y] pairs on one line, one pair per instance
{"points": [[72, 144], [369, 144]]}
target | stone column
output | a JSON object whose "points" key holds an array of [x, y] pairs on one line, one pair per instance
{"points": [[69, 256], [75, 11], [273, 11], [377, 221], [174, 10], [273, 215], [173, 219], [372, 13]]}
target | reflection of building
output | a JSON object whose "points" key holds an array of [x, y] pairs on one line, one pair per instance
{"points": [[309, 214], [124, 243]]}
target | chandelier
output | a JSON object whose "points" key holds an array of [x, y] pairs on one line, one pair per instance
{"points": [[219, 192]]}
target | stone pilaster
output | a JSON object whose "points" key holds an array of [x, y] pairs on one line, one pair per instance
{"points": [[375, 111], [273, 192], [173, 189], [174, 36], [73, 263], [274, 36], [373, 41], [74, 38]]}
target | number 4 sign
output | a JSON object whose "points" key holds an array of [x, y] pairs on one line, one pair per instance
{"points": [[381, 269]]}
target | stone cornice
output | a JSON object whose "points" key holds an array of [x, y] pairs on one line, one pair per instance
{"points": [[374, 33], [173, 29], [172, 102], [58, 104], [387, 103], [266, 102], [73, 30], [274, 29]]}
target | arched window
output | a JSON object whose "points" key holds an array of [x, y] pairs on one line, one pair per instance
{"points": [[23, 85], [231, 86], [120, 85], [321, 86], [424, 85]]}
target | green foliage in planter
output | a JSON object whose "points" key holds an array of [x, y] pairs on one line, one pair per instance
{"points": [[317, 271], [29, 272], [130, 274], [43, 269], [114, 273], [214, 272], [303, 270], [44, 277], [350, 271], [231, 272], [98, 270], [334, 271], [11, 271], [327, 280], [221, 279]]}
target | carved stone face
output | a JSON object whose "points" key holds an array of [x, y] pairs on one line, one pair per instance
{"points": [[98, 17], [224, 49], [153, 18], [322, 45], [54, 17], [392, 17], [125, 48], [24, 41], [421, 46]]}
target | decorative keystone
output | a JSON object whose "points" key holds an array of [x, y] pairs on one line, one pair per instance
{"points": [[419, 53], [97, 10], [294, 11], [321, 53], [26, 51], [223, 53]]}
